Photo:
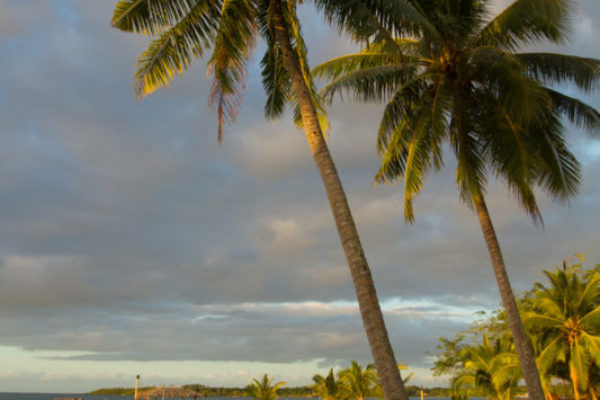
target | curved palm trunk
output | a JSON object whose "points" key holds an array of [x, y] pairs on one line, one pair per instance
{"points": [[381, 348], [526, 357]]}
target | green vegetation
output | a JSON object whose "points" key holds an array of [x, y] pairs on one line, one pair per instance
{"points": [[451, 75], [358, 383], [353, 383], [119, 391], [184, 30], [265, 389], [562, 320]]}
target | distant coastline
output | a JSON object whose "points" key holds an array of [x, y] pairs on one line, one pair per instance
{"points": [[297, 391]]}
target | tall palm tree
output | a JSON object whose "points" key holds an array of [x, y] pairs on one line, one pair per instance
{"points": [[265, 389], [186, 29], [491, 368], [358, 383], [453, 76], [326, 387], [565, 316]]}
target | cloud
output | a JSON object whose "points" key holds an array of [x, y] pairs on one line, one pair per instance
{"points": [[128, 234]]}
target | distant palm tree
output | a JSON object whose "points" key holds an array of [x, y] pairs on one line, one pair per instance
{"points": [[264, 389], [186, 29], [326, 387], [358, 383], [404, 367], [491, 368], [453, 76], [565, 316]]}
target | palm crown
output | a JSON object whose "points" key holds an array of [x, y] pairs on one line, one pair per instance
{"points": [[566, 319], [491, 367], [185, 29], [453, 76], [265, 389]]}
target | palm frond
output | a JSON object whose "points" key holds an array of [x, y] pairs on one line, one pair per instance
{"points": [[576, 111], [334, 68], [372, 84], [175, 49], [552, 68], [560, 170], [235, 38], [275, 79], [524, 22], [378, 19], [149, 16]]}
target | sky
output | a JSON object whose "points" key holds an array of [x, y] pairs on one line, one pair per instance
{"points": [[131, 243]]}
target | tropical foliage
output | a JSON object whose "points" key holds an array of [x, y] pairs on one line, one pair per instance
{"points": [[491, 367], [562, 321], [358, 383], [265, 389], [184, 30], [326, 388], [452, 76]]}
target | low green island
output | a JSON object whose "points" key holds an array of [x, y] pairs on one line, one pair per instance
{"points": [[296, 391]]}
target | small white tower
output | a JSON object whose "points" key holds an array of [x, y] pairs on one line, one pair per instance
{"points": [[137, 382]]}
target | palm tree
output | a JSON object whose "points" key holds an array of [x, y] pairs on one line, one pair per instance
{"points": [[565, 317], [326, 387], [185, 29], [452, 76], [492, 369], [264, 389], [404, 367], [358, 383]]}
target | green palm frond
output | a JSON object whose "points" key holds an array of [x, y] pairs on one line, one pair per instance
{"points": [[550, 68], [358, 382], [523, 22], [541, 320], [276, 81], [523, 98], [551, 353], [175, 49], [335, 67], [376, 19], [149, 16], [399, 110], [576, 111], [560, 174], [372, 84], [591, 321], [471, 175], [589, 294], [418, 162], [265, 389], [326, 387], [235, 38]]}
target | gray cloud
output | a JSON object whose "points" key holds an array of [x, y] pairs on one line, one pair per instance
{"points": [[122, 223]]}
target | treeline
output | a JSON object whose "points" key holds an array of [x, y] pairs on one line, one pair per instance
{"points": [[118, 391], [296, 391], [562, 320], [208, 391]]}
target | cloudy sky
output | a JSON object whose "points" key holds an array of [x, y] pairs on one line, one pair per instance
{"points": [[130, 242]]}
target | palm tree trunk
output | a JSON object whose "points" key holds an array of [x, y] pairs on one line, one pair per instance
{"points": [[526, 357], [372, 317]]}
